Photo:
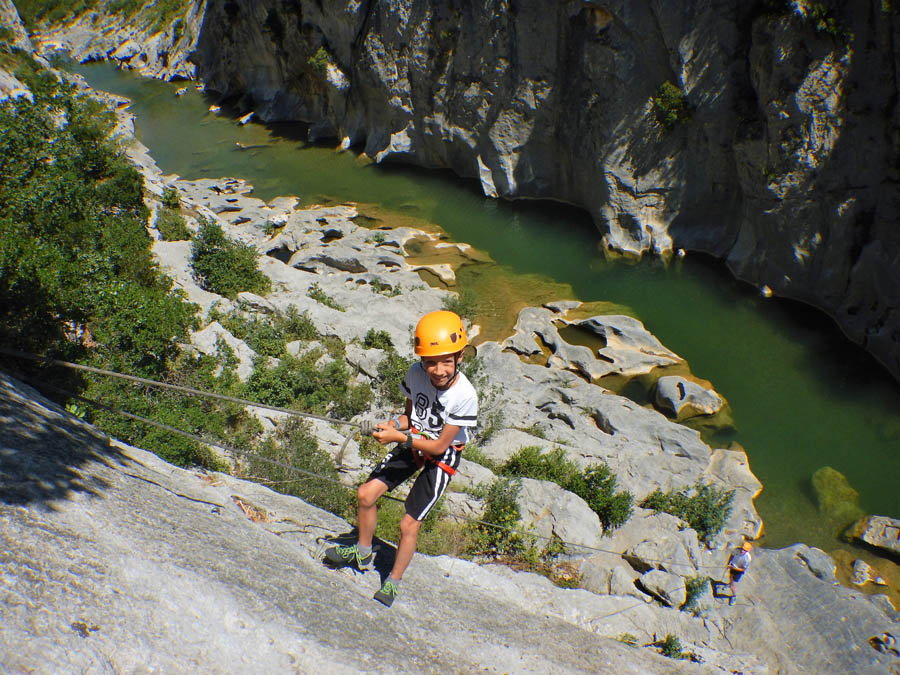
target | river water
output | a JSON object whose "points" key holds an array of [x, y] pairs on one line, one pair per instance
{"points": [[802, 396]]}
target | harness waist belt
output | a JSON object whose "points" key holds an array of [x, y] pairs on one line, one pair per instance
{"points": [[450, 471]]}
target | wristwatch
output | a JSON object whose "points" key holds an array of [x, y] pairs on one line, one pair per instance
{"points": [[407, 444]]}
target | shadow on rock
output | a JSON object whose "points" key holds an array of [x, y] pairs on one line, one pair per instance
{"points": [[42, 449], [384, 551]]}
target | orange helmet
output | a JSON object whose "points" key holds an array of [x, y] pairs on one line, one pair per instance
{"points": [[747, 546], [439, 333]]}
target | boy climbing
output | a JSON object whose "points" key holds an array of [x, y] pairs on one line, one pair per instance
{"points": [[738, 563], [441, 408]]}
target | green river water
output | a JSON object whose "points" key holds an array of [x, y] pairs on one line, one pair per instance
{"points": [[802, 396]]}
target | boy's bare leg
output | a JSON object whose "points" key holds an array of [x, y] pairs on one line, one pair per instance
{"points": [[409, 535], [366, 513]]}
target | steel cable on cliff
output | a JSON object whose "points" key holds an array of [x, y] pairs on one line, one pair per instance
{"points": [[173, 387], [282, 465]]}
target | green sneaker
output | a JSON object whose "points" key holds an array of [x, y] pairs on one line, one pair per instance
{"points": [[386, 593], [344, 556]]}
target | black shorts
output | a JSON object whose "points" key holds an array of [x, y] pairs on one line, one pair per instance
{"points": [[735, 576], [398, 465]]}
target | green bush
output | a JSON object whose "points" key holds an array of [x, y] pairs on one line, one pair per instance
{"points": [[694, 587], [319, 61], [825, 22], [295, 445], [465, 303], [391, 371], [670, 105], [74, 250], [301, 384], [196, 415], [171, 199], [670, 646], [531, 463], [377, 339], [316, 293], [263, 337], [501, 509], [490, 411], [704, 507], [597, 486], [224, 266], [171, 225], [475, 454], [436, 536], [33, 12], [297, 326]]}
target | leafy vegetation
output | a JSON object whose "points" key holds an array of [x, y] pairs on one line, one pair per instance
{"points": [[670, 106], [170, 198], [74, 251], [320, 60], [670, 646], [596, 484], [825, 22], [465, 304], [171, 225], [33, 12], [391, 371], [294, 445], [490, 413], [302, 383], [377, 339], [628, 639], [704, 507], [316, 293], [531, 463], [694, 586], [501, 511], [224, 266], [476, 454], [78, 282]]}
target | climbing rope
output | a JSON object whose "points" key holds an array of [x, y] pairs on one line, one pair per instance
{"points": [[245, 453]]}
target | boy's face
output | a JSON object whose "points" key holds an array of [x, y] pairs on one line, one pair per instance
{"points": [[440, 369]]}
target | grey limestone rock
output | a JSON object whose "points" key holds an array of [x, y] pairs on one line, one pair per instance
{"points": [[207, 340], [547, 510], [878, 531], [253, 303], [683, 398], [9, 18], [669, 588], [862, 573], [621, 582], [471, 474]]}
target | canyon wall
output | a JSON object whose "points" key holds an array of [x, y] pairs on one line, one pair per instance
{"points": [[784, 163]]}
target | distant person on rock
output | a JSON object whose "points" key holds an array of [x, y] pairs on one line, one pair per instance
{"points": [[738, 563], [441, 409]]}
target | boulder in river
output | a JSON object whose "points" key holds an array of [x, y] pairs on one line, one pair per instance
{"points": [[836, 497]]}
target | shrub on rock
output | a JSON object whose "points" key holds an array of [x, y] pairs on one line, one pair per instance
{"points": [[224, 266]]}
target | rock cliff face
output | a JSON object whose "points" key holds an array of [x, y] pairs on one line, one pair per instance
{"points": [[786, 166], [113, 560]]}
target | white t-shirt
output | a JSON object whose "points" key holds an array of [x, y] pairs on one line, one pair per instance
{"points": [[433, 408]]}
